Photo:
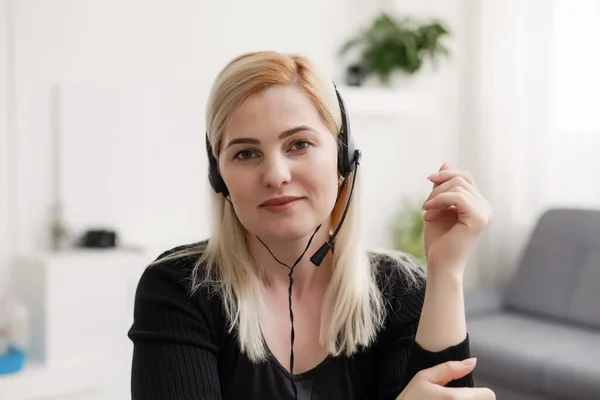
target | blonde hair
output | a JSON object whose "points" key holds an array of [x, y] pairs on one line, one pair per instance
{"points": [[225, 265]]}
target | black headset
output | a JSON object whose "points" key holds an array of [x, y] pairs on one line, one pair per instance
{"points": [[348, 155]]}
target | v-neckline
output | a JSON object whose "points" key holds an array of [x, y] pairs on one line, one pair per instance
{"points": [[303, 375]]}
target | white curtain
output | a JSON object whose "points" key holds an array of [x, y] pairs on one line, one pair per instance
{"points": [[535, 117], [573, 149]]}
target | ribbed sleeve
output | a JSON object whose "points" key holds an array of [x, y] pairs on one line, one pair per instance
{"points": [[175, 339], [398, 357], [419, 359]]}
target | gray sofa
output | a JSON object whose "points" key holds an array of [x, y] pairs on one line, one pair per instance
{"points": [[539, 337]]}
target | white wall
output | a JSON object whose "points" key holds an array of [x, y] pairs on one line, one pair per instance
{"points": [[113, 41], [103, 43], [5, 134]]}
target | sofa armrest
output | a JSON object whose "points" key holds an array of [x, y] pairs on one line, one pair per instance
{"points": [[484, 300]]}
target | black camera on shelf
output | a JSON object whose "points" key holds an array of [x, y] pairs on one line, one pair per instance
{"points": [[99, 239]]}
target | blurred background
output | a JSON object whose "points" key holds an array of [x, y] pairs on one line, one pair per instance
{"points": [[103, 164]]}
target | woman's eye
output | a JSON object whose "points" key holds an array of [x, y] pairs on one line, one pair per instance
{"points": [[301, 145], [244, 155]]}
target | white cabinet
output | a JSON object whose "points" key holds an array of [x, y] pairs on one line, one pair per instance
{"points": [[81, 307]]}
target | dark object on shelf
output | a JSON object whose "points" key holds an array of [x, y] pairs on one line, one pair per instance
{"points": [[99, 238], [355, 75]]}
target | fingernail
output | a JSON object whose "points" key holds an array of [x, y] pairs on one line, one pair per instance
{"points": [[469, 362], [434, 175]]}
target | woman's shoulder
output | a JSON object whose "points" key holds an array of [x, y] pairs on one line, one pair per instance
{"points": [[174, 271], [182, 255], [401, 279], [178, 261], [397, 270], [166, 304]]}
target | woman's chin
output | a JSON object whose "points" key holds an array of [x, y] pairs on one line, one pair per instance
{"points": [[289, 232]]}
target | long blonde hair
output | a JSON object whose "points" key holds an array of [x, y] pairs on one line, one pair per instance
{"points": [[226, 264]]}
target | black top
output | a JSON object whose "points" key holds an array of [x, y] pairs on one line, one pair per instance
{"points": [[182, 350]]}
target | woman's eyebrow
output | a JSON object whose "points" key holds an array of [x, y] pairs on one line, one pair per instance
{"points": [[285, 134], [301, 128]]}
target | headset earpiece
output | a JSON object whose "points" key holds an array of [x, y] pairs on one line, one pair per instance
{"points": [[214, 177], [346, 152]]}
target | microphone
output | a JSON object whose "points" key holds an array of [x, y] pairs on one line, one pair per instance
{"points": [[320, 254]]}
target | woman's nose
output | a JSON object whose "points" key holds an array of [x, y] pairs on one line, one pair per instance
{"points": [[276, 172]]}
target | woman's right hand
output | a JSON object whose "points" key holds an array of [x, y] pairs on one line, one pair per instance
{"points": [[429, 383]]}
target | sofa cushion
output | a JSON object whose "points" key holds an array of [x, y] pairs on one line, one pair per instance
{"points": [[536, 355], [585, 303], [505, 391], [544, 282], [576, 376], [560, 268]]}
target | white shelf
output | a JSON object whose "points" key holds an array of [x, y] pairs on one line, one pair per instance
{"points": [[81, 306], [36, 381], [87, 255], [379, 101]]}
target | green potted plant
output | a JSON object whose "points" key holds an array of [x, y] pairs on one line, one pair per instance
{"points": [[407, 230], [392, 45]]}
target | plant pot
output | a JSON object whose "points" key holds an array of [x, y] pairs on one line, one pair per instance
{"points": [[355, 75]]}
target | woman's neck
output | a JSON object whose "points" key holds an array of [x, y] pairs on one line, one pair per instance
{"points": [[305, 274]]}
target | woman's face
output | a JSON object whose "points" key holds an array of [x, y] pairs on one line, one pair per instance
{"points": [[279, 162]]}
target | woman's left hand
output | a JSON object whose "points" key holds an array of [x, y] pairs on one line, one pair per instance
{"points": [[456, 215]]}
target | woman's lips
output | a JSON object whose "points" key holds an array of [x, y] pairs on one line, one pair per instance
{"points": [[280, 204]]}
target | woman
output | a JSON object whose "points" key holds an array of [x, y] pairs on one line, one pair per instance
{"points": [[212, 320]]}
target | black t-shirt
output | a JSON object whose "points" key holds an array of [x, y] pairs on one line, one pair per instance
{"points": [[182, 350]]}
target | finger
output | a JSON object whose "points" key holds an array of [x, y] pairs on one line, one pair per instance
{"points": [[443, 175], [453, 182], [464, 203], [431, 215], [448, 174], [446, 372], [457, 197], [470, 210], [465, 393], [443, 167]]}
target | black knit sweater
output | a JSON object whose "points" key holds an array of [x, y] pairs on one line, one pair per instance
{"points": [[182, 350]]}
